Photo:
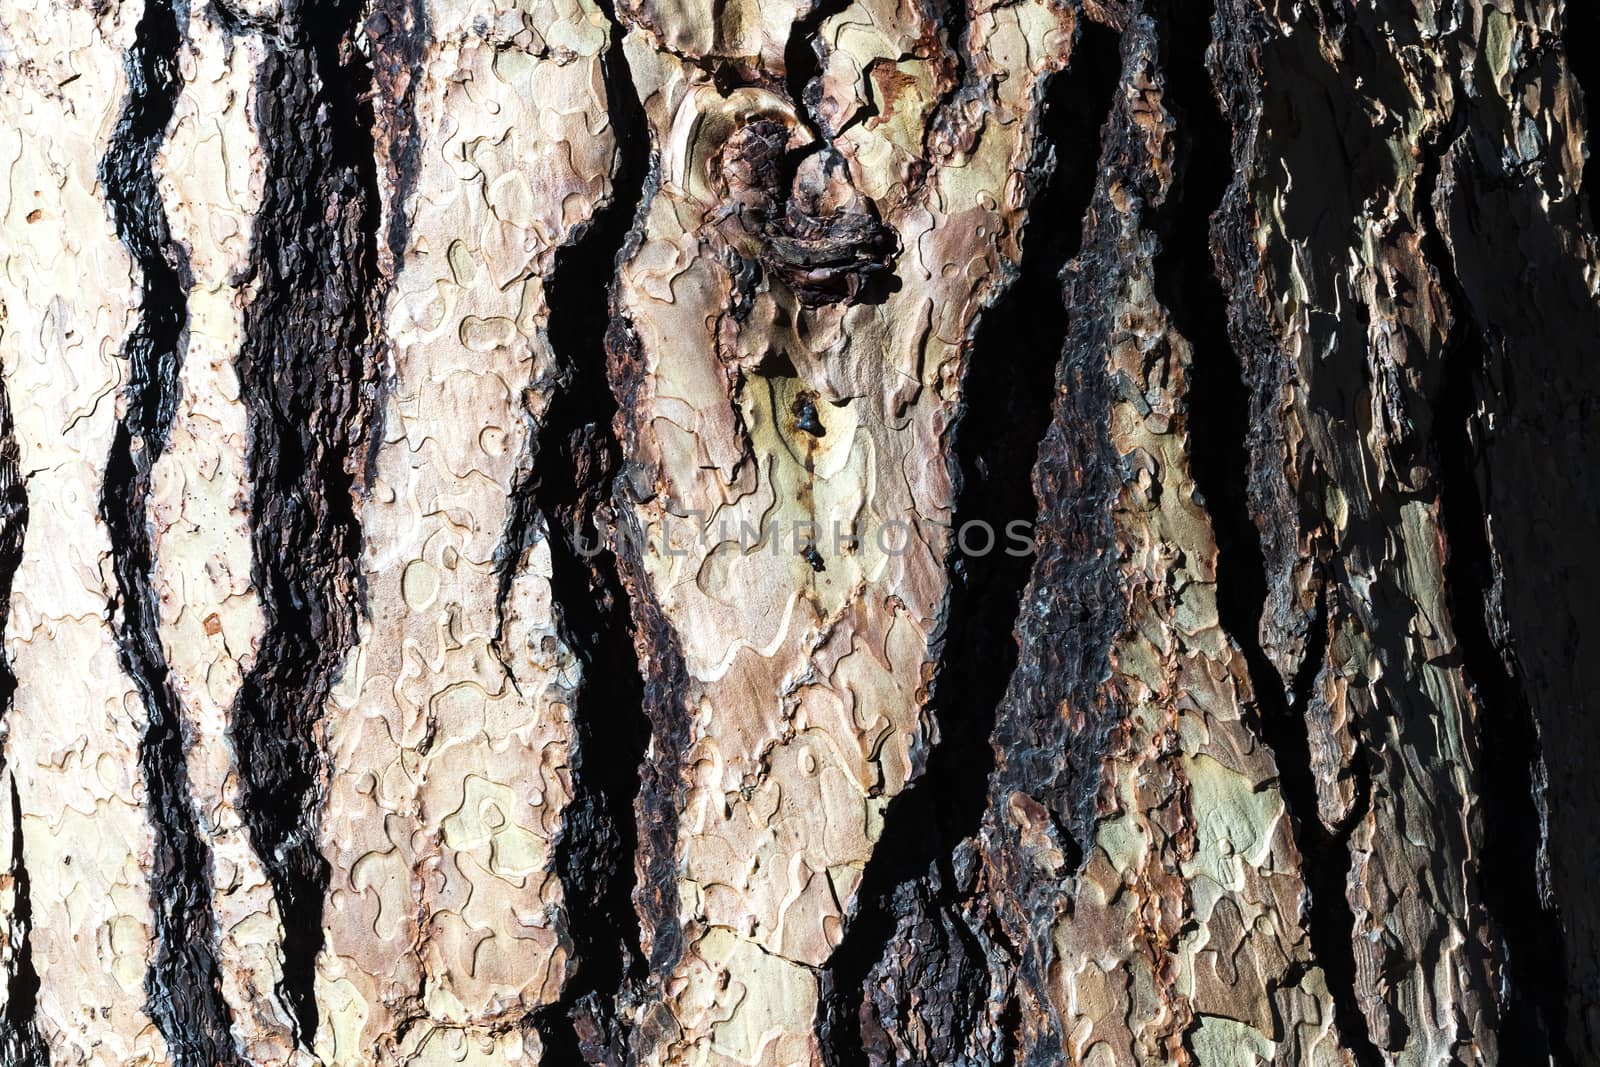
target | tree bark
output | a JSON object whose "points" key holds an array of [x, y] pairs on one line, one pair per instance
{"points": [[664, 532]]}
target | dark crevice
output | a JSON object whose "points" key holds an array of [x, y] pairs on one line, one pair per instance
{"points": [[308, 373], [1219, 434], [21, 1045], [1580, 29], [802, 63], [666, 677], [568, 479], [1514, 867], [803, 56], [20, 1042], [399, 31], [183, 984], [1008, 393]]}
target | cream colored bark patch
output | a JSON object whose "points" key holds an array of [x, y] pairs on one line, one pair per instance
{"points": [[448, 735], [67, 297]]}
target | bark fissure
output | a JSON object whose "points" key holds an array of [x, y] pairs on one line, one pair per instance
{"points": [[1581, 22], [20, 1041], [1073, 610], [1187, 279], [997, 443], [183, 982], [661, 786], [802, 59], [1516, 864], [656, 802], [308, 375], [399, 30], [565, 485]]}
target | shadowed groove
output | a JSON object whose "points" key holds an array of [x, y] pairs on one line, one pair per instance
{"points": [[575, 454], [20, 1042], [183, 983], [1532, 949], [1190, 288], [308, 373], [1005, 417]]}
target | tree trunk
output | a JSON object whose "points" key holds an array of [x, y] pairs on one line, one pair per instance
{"points": [[850, 532]]}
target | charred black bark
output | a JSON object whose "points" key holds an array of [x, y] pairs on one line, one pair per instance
{"points": [[398, 31], [1072, 612], [184, 984], [566, 484], [888, 991], [1060, 710], [309, 378], [926, 999], [661, 786], [20, 1042], [665, 679]]}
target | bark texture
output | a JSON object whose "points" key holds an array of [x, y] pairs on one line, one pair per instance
{"points": [[671, 532]]}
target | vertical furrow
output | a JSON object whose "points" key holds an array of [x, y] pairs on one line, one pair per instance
{"points": [[1514, 211], [567, 487], [794, 316], [1521, 901], [20, 1042], [1189, 285], [656, 807], [184, 984], [1137, 849], [308, 375], [889, 987]]}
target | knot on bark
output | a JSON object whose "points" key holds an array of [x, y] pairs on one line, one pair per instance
{"points": [[829, 244], [817, 233]]}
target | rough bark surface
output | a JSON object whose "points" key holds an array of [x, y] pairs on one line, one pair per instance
{"points": [[671, 532]]}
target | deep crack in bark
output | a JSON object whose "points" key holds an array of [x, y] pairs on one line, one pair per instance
{"points": [[1188, 280], [658, 801], [184, 981], [656, 807], [308, 376], [997, 444], [1581, 22], [802, 60], [564, 486], [1515, 865], [20, 1042]]}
